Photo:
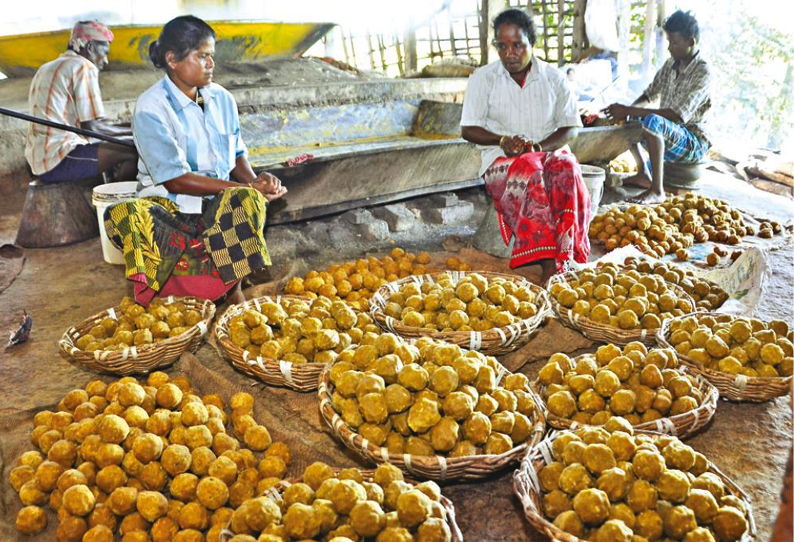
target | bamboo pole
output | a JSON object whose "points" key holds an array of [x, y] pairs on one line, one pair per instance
{"points": [[560, 32]]}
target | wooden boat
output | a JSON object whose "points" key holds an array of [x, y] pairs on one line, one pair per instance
{"points": [[22, 54]]}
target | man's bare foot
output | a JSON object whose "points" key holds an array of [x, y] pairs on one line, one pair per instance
{"points": [[638, 179], [549, 269], [649, 197]]}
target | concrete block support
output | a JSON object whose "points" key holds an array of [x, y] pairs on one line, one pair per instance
{"points": [[444, 200], [375, 230], [358, 216], [449, 215], [397, 216]]}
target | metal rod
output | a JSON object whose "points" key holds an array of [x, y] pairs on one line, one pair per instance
{"points": [[59, 126]]}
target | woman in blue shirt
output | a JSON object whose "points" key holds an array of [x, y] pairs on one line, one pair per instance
{"points": [[197, 228]]}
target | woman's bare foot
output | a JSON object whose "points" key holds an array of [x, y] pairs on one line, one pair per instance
{"points": [[236, 295], [649, 197], [638, 179]]}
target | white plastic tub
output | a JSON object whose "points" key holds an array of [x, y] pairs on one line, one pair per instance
{"points": [[594, 178], [103, 197]]}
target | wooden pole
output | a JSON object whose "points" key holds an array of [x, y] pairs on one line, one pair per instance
{"points": [[452, 43], [560, 32], [647, 50], [411, 61], [545, 31], [661, 9], [579, 33], [624, 33], [488, 10]]}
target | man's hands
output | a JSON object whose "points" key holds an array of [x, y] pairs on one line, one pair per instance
{"points": [[269, 186], [515, 145]]}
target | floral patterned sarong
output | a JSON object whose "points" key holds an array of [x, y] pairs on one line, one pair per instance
{"points": [[542, 201]]}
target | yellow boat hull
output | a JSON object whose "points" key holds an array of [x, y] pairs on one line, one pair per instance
{"points": [[21, 55]]}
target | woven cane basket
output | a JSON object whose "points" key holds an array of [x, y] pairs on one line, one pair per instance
{"points": [[604, 332], [137, 359], [528, 489], [493, 342], [435, 467], [277, 491], [299, 377], [754, 389], [680, 425]]}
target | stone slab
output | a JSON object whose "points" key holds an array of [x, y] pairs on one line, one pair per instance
{"points": [[449, 215], [444, 200], [358, 216], [397, 216]]}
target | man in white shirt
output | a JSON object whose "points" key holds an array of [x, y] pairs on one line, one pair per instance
{"points": [[521, 113], [66, 90]]}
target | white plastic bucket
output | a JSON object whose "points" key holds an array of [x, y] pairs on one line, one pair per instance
{"points": [[103, 197], [594, 178]]}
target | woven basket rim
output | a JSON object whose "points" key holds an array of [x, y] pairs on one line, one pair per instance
{"points": [[579, 322], [381, 297], [276, 492], [737, 383], [667, 425], [104, 359], [361, 445], [526, 485]]}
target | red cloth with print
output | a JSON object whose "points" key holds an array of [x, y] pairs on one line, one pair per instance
{"points": [[542, 201]]}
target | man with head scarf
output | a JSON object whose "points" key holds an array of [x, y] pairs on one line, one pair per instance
{"points": [[66, 91]]}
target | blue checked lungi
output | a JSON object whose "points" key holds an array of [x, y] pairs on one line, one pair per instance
{"points": [[680, 145]]}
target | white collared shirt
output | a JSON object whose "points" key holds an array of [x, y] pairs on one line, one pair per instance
{"points": [[494, 101]]}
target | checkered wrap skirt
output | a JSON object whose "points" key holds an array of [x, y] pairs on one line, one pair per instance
{"points": [[170, 253]]}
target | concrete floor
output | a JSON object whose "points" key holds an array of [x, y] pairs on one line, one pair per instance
{"points": [[62, 286]]}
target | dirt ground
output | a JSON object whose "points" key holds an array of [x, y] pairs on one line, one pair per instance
{"points": [[62, 286]]}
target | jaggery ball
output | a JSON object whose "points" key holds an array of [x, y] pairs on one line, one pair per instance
{"points": [[147, 448], [729, 523], [212, 492], [301, 521], [110, 477], [303, 493], [316, 473], [703, 504], [673, 485], [183, 487], [413, 507], [164, 530], [591, 505], [574, 478], [78, 500], [19, 475], [152, 505], [122, 500], [98, 533], [193, 516], [678, 521], [257, 438], [176, 459], [569, 522], [31, 520], [648, 465], [385, 474], [153, 476], [169, 396], [367, 518], [71, 529], [261, 513]]}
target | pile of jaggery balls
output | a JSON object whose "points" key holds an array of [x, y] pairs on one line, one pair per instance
{"points": [[608, 484], [355, 282], [343, 507], [431, 398], [149, 461], [138, 325]]}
